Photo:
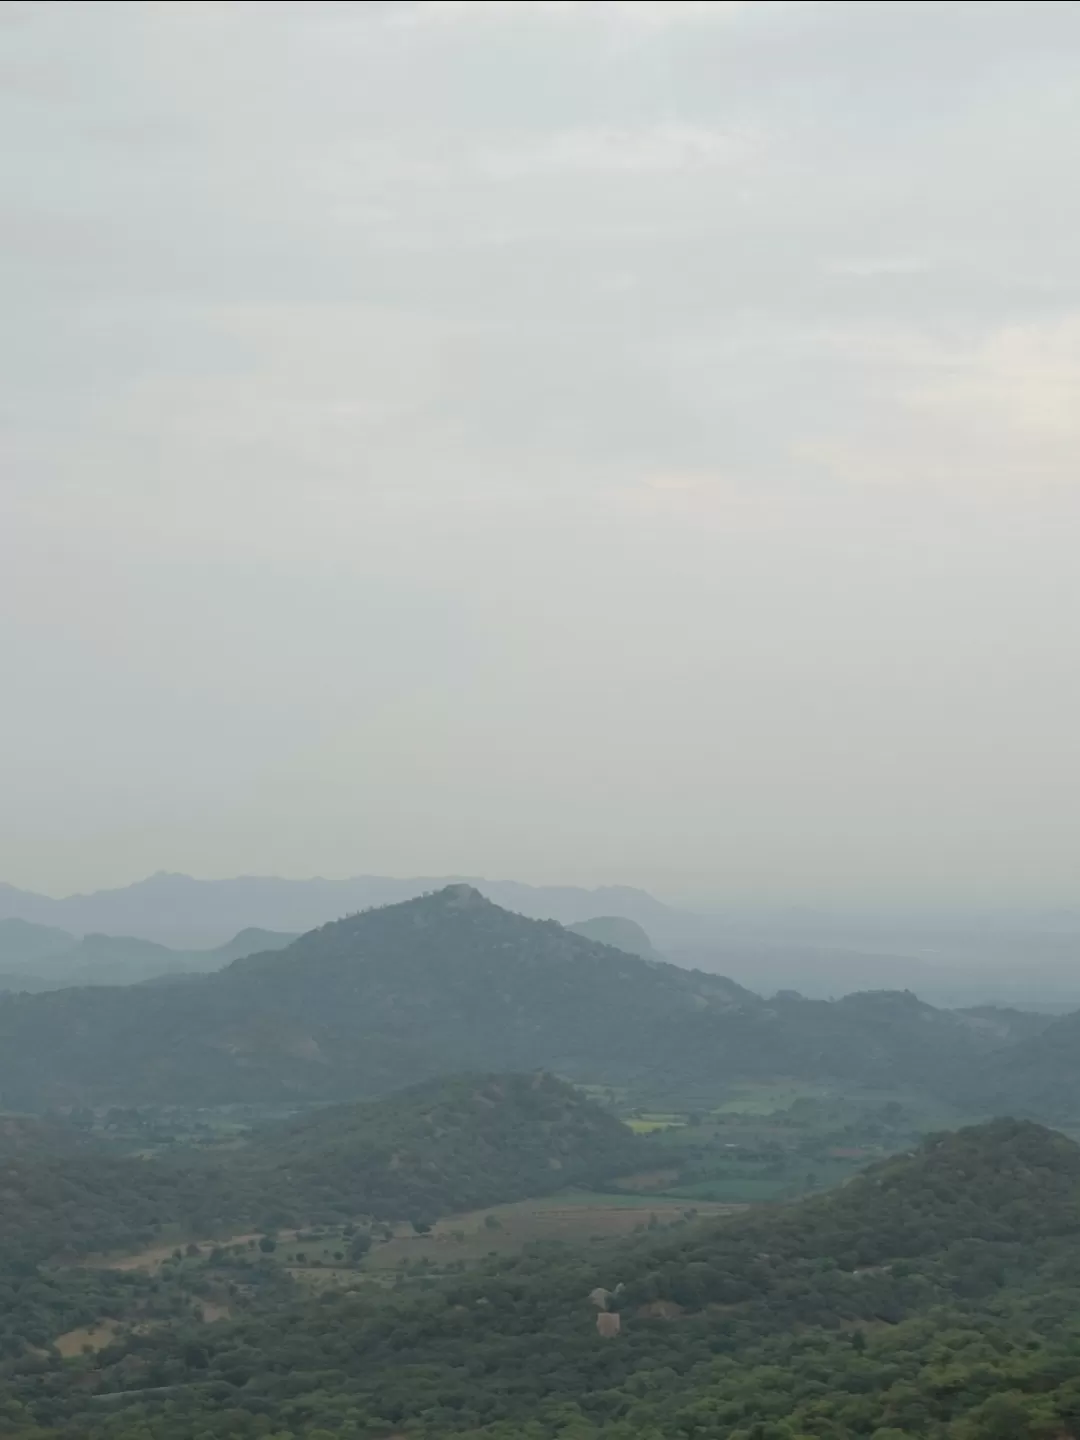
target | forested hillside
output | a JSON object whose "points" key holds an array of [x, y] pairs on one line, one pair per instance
{"points": [[449, 982], [935, 1297], [447, 1145], [444, 1146]]}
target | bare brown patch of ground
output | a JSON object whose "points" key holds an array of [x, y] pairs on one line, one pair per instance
{"points": [[86, 1337]]}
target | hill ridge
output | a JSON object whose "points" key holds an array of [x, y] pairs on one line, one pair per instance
{"points": [[185, 912], [450, 980]]}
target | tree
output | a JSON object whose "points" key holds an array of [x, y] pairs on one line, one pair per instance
{"points": [[359, 1246]]}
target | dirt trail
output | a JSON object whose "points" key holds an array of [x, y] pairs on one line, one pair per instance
{"points": [[152, 1257]]}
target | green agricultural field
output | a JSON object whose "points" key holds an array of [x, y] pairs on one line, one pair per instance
{"points": [[737, 1190], [769, 1099], [771, 1143]]}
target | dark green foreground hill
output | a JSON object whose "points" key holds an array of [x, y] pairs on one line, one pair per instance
{"points": [[936, 1298]]}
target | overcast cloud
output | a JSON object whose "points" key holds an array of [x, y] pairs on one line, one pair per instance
{"points": [[587, 442]]}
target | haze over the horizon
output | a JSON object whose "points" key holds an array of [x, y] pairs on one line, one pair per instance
{"points": [[626, 443]]}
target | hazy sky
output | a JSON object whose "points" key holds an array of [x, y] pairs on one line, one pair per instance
{"points": [[564, 441]]}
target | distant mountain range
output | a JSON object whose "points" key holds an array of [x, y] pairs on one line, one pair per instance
{"points": [[185, 913], [952, 959], [449, 982], [1032, 971], [40, 957], [957, 957]]}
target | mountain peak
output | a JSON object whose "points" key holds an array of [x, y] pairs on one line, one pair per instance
{"points": [[459, 896]]}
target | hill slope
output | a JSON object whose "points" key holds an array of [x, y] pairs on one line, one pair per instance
{"points": [[443, 1146], [441, 984]]}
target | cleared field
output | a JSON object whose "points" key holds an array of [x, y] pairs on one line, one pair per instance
{"points": [[768, 1099], [150, 1258], [573, 1217], [577, 1217], [86, 1337], [648, 1182], [573, 1200]]}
